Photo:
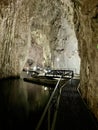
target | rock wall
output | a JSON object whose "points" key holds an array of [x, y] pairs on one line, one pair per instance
{"points": [[53, 28], [63, 39], [86, 24], [14, 36], [35, 56]]}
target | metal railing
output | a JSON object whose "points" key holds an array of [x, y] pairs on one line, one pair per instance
{"points": [[57, 106], [48, 105]]}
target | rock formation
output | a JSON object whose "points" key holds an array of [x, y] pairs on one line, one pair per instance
{"points": [[86, 24], [50, 22], [35, 56], [53, 28], [14, 36]]}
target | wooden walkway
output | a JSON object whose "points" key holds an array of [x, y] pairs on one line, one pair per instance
{"points": [[73, 114]]}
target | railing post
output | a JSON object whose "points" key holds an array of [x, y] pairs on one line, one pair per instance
{"points": [[46, 108]]}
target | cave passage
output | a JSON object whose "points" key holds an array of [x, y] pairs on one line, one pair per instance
{"points": [[22, 105], [60, 34], [73, 113]]}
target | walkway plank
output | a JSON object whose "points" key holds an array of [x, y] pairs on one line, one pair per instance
{"points": [[72, 112]]}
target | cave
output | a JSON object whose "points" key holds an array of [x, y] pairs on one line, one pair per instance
{"points": [[56, 34]]}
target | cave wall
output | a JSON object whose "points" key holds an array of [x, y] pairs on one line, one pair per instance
{"points": [[35, 56], [63, 39], [50, 23], [53, 28], [86, 24], [14, 36]]}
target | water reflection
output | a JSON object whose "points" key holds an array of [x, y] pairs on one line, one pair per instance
{"points": [[21, 104]]}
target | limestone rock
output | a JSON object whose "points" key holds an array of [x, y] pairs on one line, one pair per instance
{"points": [[35, 57], [14, 36], [86, 24], [53, 28]]}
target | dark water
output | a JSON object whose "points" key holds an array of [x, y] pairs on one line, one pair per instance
{"points": [[21, 104]]}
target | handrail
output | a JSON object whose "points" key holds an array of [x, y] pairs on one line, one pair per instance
{"points": [[47, 106], [58, 100], [55, 73]]}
